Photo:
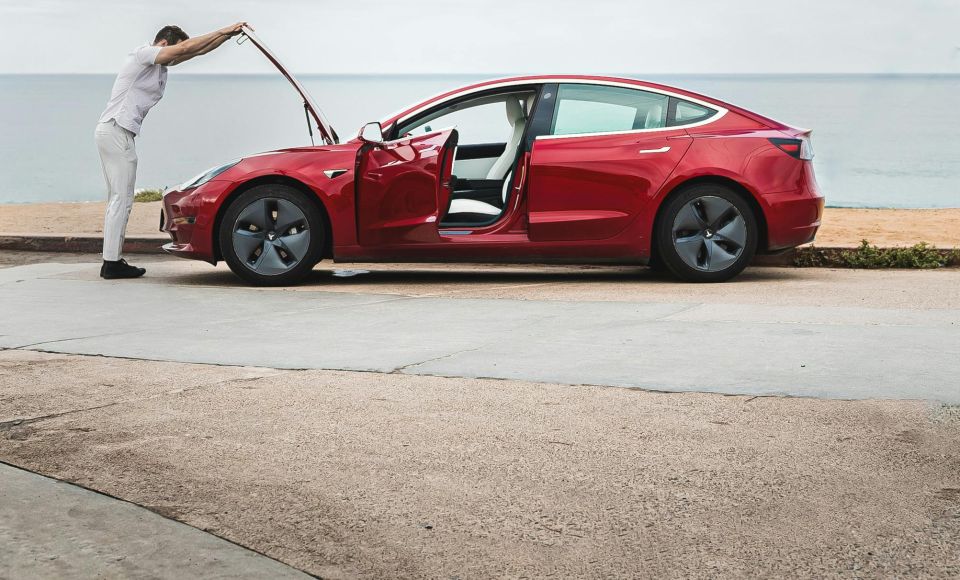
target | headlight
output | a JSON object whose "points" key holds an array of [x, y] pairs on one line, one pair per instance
{"points": [[206, 176]]}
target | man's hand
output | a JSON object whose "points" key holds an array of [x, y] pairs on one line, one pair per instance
{"points": [[233, 29], [184, 51]]}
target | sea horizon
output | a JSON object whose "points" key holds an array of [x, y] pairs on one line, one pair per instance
{"points": [[872, 149]]}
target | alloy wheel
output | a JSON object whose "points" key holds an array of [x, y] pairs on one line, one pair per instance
{"points": [[271, 236], [709, 233]]}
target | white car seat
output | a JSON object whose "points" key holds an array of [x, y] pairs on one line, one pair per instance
{"points": [[475, 206], [518, 122], [654, 117], [503, 166]]}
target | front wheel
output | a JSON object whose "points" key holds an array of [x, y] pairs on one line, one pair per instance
{"points": [[707, 233], [271, 235]]}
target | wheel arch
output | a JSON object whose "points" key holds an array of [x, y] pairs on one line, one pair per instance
{"points": [[274, 179], [748, 196]]}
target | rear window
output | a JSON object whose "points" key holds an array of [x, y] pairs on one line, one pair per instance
{"points": [[604, 109], [684, 113]]}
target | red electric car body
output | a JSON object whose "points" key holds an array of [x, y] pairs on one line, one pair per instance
{"points": [[582, 169]]}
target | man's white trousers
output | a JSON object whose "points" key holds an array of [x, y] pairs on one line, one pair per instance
{"points": [[118, 157]]}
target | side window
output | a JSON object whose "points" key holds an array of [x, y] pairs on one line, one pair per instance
{"points": [[685, 113], [602, 109], [482, 120]]}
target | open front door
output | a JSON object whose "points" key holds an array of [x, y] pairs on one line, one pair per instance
{"points": [[403, 187]]}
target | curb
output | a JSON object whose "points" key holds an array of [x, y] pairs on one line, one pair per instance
{"points": [[781, 259], [79, 243]]}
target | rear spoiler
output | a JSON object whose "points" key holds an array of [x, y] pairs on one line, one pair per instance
{"points": [[796, 131]]}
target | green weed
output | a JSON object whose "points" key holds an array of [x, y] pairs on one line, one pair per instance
{"points": [[145, 195], [866, 255]]}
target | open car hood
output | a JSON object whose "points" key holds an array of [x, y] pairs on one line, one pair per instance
{"points": [[327, 133]]}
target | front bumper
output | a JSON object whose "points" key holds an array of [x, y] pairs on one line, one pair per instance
{"points": [[189, 217]]}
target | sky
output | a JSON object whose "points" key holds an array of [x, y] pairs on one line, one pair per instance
{"points": [[500, 36]]}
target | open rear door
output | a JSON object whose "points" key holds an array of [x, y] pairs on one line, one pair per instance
{"points": [[403, 186], [327, 133]]}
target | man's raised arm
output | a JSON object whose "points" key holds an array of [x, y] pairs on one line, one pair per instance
{"points": [[183, 51]]}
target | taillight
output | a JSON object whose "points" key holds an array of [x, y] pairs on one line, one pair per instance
{"points": [[798, 148]]}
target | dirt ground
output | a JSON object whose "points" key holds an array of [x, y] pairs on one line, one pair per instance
{"points": [[383, 475], [841, 227], [890, 227]]}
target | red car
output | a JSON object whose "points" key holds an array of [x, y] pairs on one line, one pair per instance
{"points": [[576, 169]]}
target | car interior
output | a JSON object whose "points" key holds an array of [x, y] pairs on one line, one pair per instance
{"points": [[491, 130]]}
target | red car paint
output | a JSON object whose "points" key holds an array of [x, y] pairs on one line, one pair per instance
{"points": [[580, 198]]}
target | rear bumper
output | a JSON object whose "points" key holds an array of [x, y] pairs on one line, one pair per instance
{"points": [[793, 217], [792, 222]]}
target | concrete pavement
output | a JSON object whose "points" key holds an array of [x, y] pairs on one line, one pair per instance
{"points": [[393, 473], [50, 529], [780, 332]]}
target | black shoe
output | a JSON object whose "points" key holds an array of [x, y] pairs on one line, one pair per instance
{"points": [[120, 269]]}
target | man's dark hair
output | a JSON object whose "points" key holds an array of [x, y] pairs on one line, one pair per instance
{"points": [[172, 34]]}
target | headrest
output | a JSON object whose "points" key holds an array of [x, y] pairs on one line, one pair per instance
{"points": [[515, 113], [654, 115]]}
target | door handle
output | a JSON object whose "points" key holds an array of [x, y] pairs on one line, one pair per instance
{"points": [[660, 150]]}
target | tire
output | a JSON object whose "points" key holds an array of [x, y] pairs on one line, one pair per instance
{"points": [[706, 233], [253, 246], [656, 263]]}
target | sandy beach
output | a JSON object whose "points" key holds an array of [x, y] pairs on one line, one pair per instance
{"points": [[841, 226]]}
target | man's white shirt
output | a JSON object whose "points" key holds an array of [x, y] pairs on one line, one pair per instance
{"points": [[139, 86]]}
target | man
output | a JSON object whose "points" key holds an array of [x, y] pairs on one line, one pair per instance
{"points": [[139, 86]]}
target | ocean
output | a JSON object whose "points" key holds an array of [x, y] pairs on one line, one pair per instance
{"points": [[880, 141]]}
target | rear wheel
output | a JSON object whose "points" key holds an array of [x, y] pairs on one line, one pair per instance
{"points": [[707, 233], [271, 235]]}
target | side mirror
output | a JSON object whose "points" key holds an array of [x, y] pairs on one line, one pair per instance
{"points": [[372, 133]]}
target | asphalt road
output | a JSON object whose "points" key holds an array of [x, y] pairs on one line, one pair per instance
{"points": [[814, 332]]}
